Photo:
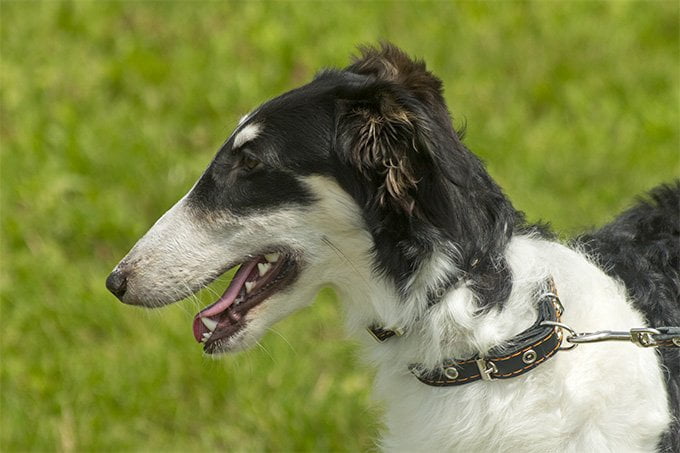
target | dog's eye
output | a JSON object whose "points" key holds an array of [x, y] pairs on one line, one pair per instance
{"points": [[250, 163]]}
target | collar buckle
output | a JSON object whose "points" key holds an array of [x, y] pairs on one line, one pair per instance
{"points": [[486, 369]]}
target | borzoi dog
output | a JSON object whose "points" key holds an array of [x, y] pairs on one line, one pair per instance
{"points": [[357, 181]]}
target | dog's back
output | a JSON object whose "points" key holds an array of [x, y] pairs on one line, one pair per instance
{"points": [[641, 247]]}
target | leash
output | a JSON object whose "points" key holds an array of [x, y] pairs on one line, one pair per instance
{"points": [[530, 348]]}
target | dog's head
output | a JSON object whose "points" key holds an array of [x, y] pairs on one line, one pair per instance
{"points": [[354, 179]]}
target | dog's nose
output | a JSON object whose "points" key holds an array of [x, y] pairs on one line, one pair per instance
{"points": [[117, 283]]}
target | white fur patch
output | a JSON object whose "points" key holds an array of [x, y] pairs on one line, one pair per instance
{"points": [[248, 133]]}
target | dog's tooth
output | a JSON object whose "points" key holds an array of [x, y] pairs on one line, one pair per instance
{"points": [[206, 337], [209, 323], [272, 257], [249, 288], [263, 268]]}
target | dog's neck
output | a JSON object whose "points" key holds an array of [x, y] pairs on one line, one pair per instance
{"points": [[460, 323], [453, 326]]}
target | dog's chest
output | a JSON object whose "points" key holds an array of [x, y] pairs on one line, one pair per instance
{"points": [[600, 397], [530, 414]]}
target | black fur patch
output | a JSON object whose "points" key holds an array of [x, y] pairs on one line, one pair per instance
{"points": [[421, 189], [295, 139], [641, 247]]}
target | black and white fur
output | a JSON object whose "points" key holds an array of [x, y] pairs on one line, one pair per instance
{"points": [[361, 180]]}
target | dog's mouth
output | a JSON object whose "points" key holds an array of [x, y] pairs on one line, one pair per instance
{"points": [[253, 283]]}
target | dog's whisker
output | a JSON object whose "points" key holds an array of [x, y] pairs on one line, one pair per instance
{"points": [[212, 291], [343, 256], [271, 329], [263, 348], [193, 299]]}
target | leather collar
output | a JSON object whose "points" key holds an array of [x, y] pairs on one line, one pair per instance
{"points": [[520, 354]]}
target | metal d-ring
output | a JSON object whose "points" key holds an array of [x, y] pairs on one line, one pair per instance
{"points": [[572, 333], [557, 303]]}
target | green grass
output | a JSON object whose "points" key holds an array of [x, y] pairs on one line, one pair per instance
{"points": [[110, 111]]}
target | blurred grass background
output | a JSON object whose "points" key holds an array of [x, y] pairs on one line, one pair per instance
{"points": [[110, 111]]}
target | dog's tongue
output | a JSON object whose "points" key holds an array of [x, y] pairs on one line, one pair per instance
{"points": [[224, 302]]}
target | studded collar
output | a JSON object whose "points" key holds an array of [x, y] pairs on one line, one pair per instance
{"points": [[520, 354]]}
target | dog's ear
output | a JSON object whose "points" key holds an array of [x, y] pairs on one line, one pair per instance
{"points": [[380, 142], [385, 121], [388, 63]]}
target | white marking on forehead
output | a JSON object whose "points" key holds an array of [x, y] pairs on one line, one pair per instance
{"points": [[248, 133]]}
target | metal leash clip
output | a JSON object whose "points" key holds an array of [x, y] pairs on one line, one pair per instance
{"points": [[643, 337]]}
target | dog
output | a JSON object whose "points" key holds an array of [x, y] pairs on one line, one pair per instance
{"points": [[358, 181]]}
